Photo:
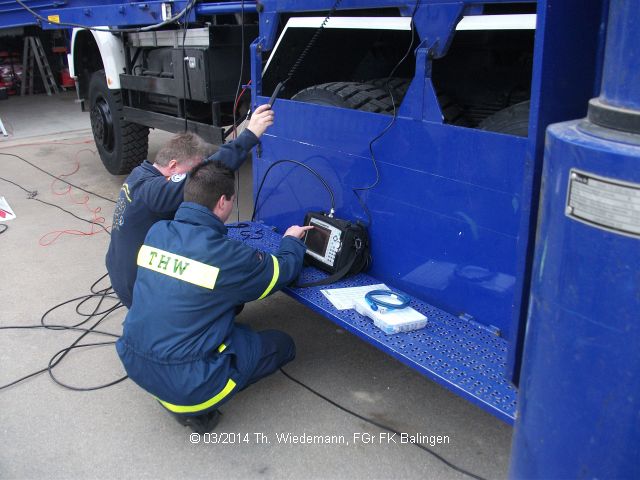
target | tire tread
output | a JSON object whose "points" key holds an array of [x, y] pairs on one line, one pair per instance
{"points": [[134, 138], [357, 96]]}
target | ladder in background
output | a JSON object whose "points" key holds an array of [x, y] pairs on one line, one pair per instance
{"points": [[33, 49]]}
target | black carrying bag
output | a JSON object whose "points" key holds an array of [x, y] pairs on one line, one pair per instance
{"points": [[353, 257]]}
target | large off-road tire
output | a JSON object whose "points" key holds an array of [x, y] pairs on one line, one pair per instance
{"points": [[513, 120], [398, 86], [451, 111], [357, 96], [122, 145]]}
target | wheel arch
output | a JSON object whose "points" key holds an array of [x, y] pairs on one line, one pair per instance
{"points": [[92, 51]]}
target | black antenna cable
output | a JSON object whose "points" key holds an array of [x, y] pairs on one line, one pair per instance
{"points": [[304, 53]]}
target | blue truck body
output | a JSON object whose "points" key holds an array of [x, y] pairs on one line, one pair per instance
{"points": [[455, 209]]}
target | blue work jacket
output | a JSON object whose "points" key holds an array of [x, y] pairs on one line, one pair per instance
{"points": [[146, 197], [180, 342]]}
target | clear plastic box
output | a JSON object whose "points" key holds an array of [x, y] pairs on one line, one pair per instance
{"points": [[392, 321]]}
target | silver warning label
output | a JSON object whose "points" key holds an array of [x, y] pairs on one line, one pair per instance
{"points": [[604, 203]]}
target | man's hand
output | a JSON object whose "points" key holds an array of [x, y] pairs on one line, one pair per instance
{"points": [[296, 231], [261, 119]]}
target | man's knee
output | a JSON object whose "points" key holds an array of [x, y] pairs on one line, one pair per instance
{"points": [[279, 341], [289, 351]]}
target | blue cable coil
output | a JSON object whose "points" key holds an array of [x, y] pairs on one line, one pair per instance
{"points": [[374, 302]]}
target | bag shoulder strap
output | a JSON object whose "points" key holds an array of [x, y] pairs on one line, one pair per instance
{"points": [[332, 278]]}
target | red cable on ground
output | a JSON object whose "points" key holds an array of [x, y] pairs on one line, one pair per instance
{"points": [[97, 219], [58, 233], [75, 170]]}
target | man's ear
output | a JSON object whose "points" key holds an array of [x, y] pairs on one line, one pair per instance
{"points": [[173, 163], [221, 203]]}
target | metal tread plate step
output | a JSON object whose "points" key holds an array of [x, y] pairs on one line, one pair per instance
{"points": [[454, 352]]}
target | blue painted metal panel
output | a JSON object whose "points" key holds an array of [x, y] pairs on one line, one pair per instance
{"points": [[445, 213], [455, 353], [567, 53], [226, 7], [115, 14], [13, 15], [90, 13], [110, 12]]}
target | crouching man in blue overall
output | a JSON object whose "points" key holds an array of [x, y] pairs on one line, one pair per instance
{"points": [[180, 342]]}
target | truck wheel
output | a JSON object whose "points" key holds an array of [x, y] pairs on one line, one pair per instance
{"points": [[399, 86], [451, 111], [357, 96], [513, 120], [122, 145]]}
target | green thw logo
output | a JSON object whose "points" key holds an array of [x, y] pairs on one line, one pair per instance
{"points": [[164, 261]]}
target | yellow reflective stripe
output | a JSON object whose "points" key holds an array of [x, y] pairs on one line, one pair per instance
{"points": [[177, 266], [125, 189], [274, 279], [201, 406], [222, 348]]}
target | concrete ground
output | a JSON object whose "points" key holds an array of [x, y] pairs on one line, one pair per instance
{"points": [[47, 431], [33, 115]]}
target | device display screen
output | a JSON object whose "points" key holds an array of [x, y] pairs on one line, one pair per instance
{"points": [[317, 239]]}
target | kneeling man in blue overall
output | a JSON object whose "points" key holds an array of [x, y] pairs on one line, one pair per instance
{"points": [[180, 341]]}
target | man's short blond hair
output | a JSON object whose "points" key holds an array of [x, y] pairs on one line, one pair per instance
{"points": [[184, 147]]}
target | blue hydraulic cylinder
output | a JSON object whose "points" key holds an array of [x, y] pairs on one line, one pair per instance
{"points": [[579, 400], [622, 88]]}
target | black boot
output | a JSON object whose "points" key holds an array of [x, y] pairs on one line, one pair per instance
{"points": [[200, 423]]}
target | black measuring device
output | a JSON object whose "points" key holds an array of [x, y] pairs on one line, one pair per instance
{"points": [[339, 247]]}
